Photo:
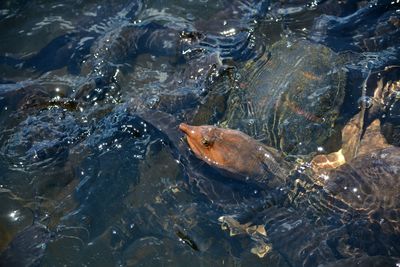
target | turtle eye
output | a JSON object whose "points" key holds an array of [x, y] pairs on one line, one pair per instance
{"points": [[205, 142]]}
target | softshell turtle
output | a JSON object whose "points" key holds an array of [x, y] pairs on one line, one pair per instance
{"points": [[333, 207], [238, 153]]}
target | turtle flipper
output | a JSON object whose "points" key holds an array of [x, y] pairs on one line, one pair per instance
{"points": [[328, 161], [351, 136], [372, 139], [355, 143]]}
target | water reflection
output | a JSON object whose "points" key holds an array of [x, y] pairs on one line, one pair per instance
{"points": [[94, 171]]}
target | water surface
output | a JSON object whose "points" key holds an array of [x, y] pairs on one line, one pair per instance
{"points": [[91, 158]]}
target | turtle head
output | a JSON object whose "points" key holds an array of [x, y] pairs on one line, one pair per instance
{"points": [[203, 141], [230, 150]]}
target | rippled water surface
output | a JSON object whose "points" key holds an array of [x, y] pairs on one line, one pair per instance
{"points": [[95, 172]]}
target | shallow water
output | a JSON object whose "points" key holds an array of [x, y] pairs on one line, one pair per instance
{"points": [[91, 158]]}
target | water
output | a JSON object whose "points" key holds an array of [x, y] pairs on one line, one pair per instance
{"points": [[91, 158]]}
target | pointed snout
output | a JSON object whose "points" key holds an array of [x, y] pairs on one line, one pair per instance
{"points": [[186, 128]]}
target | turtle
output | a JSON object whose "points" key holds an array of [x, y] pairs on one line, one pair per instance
{"points": [[348, 211]]}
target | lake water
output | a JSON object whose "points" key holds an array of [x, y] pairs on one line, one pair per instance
{"points": [[95, 172]]}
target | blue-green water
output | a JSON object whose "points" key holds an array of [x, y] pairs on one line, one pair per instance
{"points": [[93, 168]]}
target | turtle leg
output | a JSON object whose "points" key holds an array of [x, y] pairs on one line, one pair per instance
{"points": [[353, 146]]}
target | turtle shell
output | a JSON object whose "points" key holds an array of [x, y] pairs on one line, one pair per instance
{"points": [[292, 100]]}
